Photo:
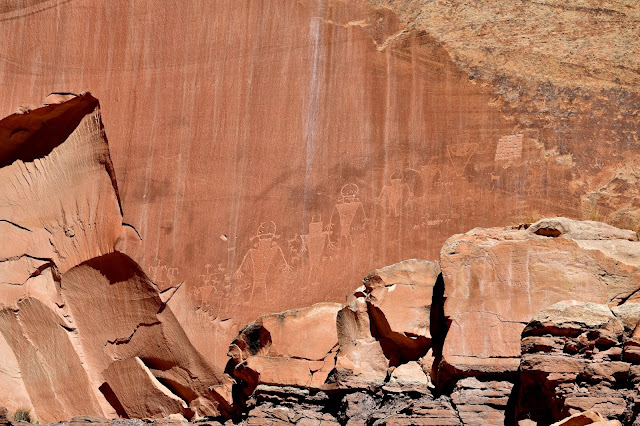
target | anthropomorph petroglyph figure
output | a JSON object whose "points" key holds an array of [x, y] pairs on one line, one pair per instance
{"points": [[156, 272], [172, 274], [208, 279], [263, 254], [394, 195], [314, 243], [348, 209]]}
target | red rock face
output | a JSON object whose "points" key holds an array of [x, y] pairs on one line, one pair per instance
{"points": [[273, 147], [272, 153], [497, 279], [83, 331]]}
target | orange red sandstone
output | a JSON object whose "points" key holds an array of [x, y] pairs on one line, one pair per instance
{"points": [[78, 319]]}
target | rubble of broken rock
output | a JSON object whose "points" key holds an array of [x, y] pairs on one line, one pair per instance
{"points": [[527, 325]]}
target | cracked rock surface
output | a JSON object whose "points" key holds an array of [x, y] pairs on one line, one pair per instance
{"points": [[83, 330], [222, 116], [497, 279], [577, 356]]}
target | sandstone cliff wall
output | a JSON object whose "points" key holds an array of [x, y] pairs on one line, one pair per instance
{"points": [[340, 135]]}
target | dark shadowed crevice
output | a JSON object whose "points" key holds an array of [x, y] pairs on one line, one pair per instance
{"points": [[438, 325], [239, 392], [35, 134], [157, 363], [113, 400], [16, 225], [397, 347], [255, 338], [548, 232], [512, 405], [116, 267]]}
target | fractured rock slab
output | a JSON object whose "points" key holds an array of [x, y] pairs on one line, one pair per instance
{"points": [[73, 310], [573, 360], [497, 279]]}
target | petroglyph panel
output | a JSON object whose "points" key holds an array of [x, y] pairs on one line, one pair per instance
{"points": [[252, 117], [509, 148]]}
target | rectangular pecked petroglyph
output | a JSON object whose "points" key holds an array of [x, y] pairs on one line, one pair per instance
{"points": [[509, 147]]}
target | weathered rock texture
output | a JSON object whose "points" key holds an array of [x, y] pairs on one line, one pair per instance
{"points": [[331, 346], [330, 137], [498, 279], [82, 328], [578, 356], [271, 153], [478, 344]]}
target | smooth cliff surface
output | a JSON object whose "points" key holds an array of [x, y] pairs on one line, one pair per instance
{"points": [[264, 156], [329, 138]]}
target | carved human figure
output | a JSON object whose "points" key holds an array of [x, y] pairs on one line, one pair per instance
{"points": [[207, 289], [394, 195], [263, 254], [314, 243], [348, 209], [172, 274], [157, 271]]}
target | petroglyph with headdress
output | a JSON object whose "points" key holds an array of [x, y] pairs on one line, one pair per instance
{"points": [[264, 253], [394, 194], [348, 209]]}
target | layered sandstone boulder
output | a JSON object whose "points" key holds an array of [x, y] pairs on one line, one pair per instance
{"points": [[293, 348], [577, 356], [384, 325], [83, 330], [481, 402], [387, 323], [380, 341], [497, 279]]}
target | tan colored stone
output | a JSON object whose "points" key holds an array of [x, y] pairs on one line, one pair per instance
{"points": [[153, 399], [292, 348], [361, 358], [50, 367], [628, 314], [399, 299], [481, 403], [282, 371], [122, 316], [497, 279], [307, 333], [571, 318], [579, 419], [410, 373]]}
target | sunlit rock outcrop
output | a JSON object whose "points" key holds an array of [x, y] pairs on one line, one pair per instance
{"points": [[83, 331]]}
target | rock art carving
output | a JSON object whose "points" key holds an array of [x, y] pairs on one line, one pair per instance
{"points": [[314, 243], [262, 256], [350, 216], [393, 75], [394, 195], [509, 148], [460, 154]]}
